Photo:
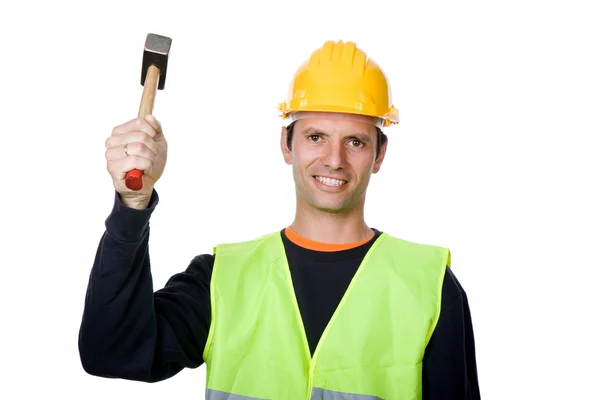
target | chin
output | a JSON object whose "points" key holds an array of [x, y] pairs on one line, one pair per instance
{"points": [[332, 207]]}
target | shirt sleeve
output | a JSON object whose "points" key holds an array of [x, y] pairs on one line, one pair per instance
{"points": [[128, 331], [449, 364]]}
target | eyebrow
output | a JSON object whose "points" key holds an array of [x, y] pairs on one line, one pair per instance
{"points": [[365, 137]]}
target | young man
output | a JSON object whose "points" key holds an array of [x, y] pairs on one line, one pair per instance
{"points": [[326, 308]]}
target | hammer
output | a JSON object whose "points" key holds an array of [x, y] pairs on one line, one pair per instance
{"points": [[154, 72]]}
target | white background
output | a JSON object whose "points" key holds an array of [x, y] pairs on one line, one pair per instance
{"points": [[496, 157]]}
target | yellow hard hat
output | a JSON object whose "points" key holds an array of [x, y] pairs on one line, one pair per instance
{"points": [[339, 78]]}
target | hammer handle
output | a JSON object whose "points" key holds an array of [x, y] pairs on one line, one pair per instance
{"points": [[149, 94], [133, 178]]}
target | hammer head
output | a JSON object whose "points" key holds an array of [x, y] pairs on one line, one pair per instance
{"points": [[156, 52]]}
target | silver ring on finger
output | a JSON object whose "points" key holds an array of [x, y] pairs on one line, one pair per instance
{"points": [[125, 148]]}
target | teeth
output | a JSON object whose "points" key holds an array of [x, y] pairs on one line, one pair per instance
{"points": [[329, 181]]}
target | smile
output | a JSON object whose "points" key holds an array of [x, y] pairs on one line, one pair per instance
{"points": [[330, 181]]}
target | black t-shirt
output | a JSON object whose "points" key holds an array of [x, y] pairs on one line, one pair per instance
{"points": [[129, 331], [320, 281]]}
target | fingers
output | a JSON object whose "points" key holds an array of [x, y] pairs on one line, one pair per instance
{"points": [[139, 143], [130, 149], [130, 155], [119, 167], [132, 145], [148, 125]]}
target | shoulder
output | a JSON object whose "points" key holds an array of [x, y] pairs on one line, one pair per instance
{"points": [[249, 244], [408, 242], [419, 249]]}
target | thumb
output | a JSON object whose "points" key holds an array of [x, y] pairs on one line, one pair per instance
{"points": [[154, 123]]}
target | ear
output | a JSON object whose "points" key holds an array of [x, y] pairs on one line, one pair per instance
{"points": [[287, 154], [379, 161]]}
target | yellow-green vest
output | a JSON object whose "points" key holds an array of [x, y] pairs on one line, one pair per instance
{"points": [[371, 349]]}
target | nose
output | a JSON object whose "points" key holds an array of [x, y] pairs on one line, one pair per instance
{"points": [[335, 155]]}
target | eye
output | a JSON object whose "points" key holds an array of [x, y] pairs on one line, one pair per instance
{"points": [[313, 138], [356, 143]]}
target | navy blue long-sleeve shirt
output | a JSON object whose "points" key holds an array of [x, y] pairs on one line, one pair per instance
{"points": [[130, 331]]}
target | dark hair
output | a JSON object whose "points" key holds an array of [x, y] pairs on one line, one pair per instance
{"points": [[381, 138]]}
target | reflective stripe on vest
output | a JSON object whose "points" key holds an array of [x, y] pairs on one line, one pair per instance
{"points": [[322, 394], [317, 394], [371, 349], [217, 395]]}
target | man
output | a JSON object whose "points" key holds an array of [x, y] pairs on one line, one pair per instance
{"points": [[327, 308]]}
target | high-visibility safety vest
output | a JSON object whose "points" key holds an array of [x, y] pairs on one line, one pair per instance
{"points": [[371, 349]]}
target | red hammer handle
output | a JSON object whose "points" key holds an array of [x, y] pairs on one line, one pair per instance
{"points": [[133, 178]]}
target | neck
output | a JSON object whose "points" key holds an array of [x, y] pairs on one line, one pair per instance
{"points": [[334, 228]]}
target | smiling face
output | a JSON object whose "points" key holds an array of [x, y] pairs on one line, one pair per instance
{"points": [[332, 162]]}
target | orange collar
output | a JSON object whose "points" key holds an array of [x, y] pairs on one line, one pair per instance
{"points": [[319, 246]]}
